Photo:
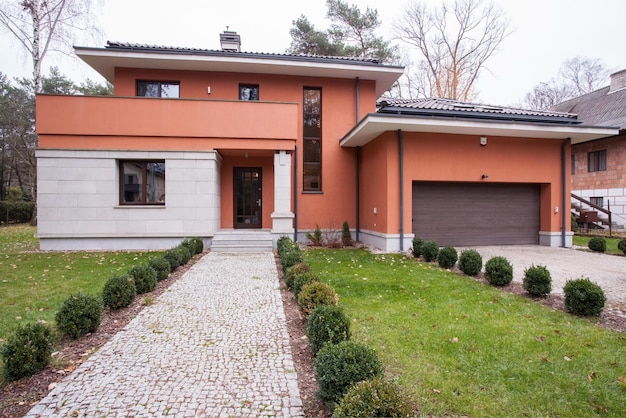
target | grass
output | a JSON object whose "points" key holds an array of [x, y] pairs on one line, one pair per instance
{"points": [[611, 243], [460, 347]]}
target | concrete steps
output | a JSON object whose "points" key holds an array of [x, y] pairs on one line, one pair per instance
{"points": [[242, 241]]}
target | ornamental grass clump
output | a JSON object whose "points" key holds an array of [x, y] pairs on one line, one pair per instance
{"points": [[416, 248], [470, 262], [27, 351], [119, 292], [339, 366], [499, 271], [161, 266], [315, 294], [295, 270], [537, 280], [375, 397], [583, 297], [327, 324], [447, 257], [145, 278], [300, 280], [597, 244], [430, 251], [79, 315]]}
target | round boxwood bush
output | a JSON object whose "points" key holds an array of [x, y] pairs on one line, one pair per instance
{"points": [[161, 266], [498, 271], [145, 278], [375, 397], [290, 258], [119, 292], [621, 245], [470, 262], [300, 280], [416, 248], [79, 315], [327, 324], [198, 245], [583, 297], [314, 294], [339, 366], [430, 250], [537, 280], [283, 244], [447, 257], [173, 257], [293, 271], [597, 244], [27, 350], [185, 254]]}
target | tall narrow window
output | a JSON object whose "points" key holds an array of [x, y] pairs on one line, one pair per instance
{"points": [[158, 89], [597, 161], [312, 122], [142, 182], [573, 163]]}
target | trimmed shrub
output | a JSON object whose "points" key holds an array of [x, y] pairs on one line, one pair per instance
{"points": [[375, 397], [293, 271], [327, 324], [283, 244], [574, 223], [537, 280], [430, 251], [470, 262], [300, 280], [119, 292], [27, 351], [291, 257], [416, 249], [161, 266], [447, 257], [145, 277], [346, 235], [498, 271], [79, 315], [16, 212], [185, 254], [173, 257], [314, 294], [339, 366], [583, 297], [189, 245], [198, 245], [621, 245], [597, 244]]}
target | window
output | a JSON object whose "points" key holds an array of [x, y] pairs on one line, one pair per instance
{"points": [[597, 161], [598, 201], [158, 88], [142, 182], [248, 92], [573, 164], [312, 122]]}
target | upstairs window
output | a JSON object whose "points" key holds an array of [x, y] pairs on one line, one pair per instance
{"points": [[248, 92], [166, 89], [142, 182], [312, 123], [573, 164], [597, 161]]}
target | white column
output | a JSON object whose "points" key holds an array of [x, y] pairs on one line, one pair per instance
{"points": [[282, 217]]}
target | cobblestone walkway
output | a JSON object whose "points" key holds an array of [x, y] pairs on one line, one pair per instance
{"points": [[215, 344]]}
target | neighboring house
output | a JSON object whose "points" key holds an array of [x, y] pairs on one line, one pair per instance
{"points": [[599, 166], [279, 143]]}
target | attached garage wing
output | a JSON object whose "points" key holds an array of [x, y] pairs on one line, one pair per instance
{"points": [[472, 214]]}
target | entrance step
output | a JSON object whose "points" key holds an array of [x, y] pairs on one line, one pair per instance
{"points": [[242, 241]]}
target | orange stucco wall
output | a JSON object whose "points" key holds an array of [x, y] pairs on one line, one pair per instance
{"points": [[455, 158]]}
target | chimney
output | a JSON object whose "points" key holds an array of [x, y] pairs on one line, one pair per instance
{"points": [[618, 81], [230, 41]]}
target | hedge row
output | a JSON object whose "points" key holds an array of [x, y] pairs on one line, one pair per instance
{"points": [[16, 212]]}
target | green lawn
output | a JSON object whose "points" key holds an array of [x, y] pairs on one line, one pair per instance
{"points": [[463, 348], [611, 243]]}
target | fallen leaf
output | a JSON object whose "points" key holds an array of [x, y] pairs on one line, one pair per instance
{"points": [[567, 358], [52, 385], [436, 391], [556, 331], [541, 338], [545, 359], [591, 376], [454, 340]]}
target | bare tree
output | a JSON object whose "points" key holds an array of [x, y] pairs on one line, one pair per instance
{"points": [[454, 42], [42, 26]]}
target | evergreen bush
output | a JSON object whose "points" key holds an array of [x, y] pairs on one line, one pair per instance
{"points": [[416, 248], [161, 266], [498, 271], [119, 292], [185, 254], [316, 238], [27, 350], [470, 262], [339, 366], [537, 280], [621, 245], [173, 257], [327, 324], [198, 245], [291, 257], [346, 235], [145, 277], [293, 271], [284, 244], [447, 257], [583, 297], [373, 398], [430, 251], [303, 279], [597, 244], [314, 294], [79, 315]]}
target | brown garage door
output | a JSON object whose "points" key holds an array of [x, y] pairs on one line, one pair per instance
{"points": [[467, 214]]}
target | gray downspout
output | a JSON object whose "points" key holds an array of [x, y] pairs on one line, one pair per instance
{"points": [[564, 190], [401, 153], [295, 194], [358, 195]]}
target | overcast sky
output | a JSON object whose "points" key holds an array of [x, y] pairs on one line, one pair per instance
{"points": [[545, 33]]}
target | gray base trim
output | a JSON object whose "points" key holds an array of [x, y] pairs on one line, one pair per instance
{"points": [[386, 242], [553, 239], [113, 244]]}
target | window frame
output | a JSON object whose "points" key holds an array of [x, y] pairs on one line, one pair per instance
{"points": [[597, 161], [252, 87], [161, 83], [144, 182], [312, 139]]}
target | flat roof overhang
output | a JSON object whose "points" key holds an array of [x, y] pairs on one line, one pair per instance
{"points": [[104, 61], [374, 124]]}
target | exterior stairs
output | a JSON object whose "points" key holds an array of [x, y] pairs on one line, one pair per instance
{"points": [[242, 241]]}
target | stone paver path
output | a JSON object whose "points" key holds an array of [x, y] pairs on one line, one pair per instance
{"points": [[215, 344]]}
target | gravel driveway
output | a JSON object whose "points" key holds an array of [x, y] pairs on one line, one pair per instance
{"points": [[608, 271]]}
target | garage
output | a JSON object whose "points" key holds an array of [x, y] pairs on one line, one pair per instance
{"points": [[473, 214]]}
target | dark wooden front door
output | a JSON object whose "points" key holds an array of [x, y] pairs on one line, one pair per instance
{"points": [[248, 193]]}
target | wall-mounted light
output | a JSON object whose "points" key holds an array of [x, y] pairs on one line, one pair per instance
{"points": [[556, 209], [483, 140], [208, 90], [484, 176], [375, 211]]}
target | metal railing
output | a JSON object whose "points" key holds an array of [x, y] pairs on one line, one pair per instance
{"points": [[598, 208]]}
